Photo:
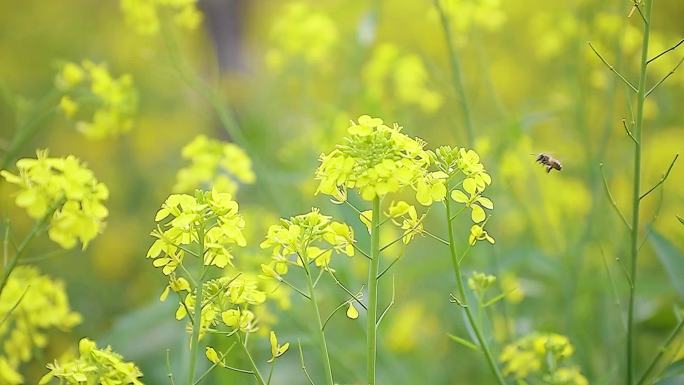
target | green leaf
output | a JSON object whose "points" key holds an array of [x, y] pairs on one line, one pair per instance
{"points": [[671, 259], [673, 374], [464, 342], [681, 220]]}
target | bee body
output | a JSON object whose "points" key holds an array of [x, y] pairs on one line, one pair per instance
{"points": [[550, 162]]}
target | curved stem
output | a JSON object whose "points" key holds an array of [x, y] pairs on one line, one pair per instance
{"points": [[320, 334], [371, 341], [464, 300], [641, 97]]}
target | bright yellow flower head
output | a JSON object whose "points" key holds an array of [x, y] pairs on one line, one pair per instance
{"points": [[543, 354], [377, 159], [214, 164], [306, 238], [112, 102], [101, 366], [67, 191], [212, 215], [43, 306], [143, 15]]}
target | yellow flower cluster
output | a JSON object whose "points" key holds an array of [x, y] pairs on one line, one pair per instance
{"points": [[544, 355], [113, 102], [67, 191], [143, 15], [306, 238], [377, 159], [30, 305], [94, 366], [214, 164], [207, 218], [301, 34], [226, 300], [403, 76], [453, 161]]}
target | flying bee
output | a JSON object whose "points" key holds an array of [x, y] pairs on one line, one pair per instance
{"points": [[549, 161]]}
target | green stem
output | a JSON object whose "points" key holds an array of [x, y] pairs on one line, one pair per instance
{"points": [[371, 342], [197, 316], [641, 97], [37, 228], [320, 335], [456, 75], [464, 299], [661, 352], [252, 364]]}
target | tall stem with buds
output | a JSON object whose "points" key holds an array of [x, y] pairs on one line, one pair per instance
{"points": [[636, 194], [455, 261]]}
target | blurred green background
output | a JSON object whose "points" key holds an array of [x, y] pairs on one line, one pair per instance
{"points": [[292, 85]]}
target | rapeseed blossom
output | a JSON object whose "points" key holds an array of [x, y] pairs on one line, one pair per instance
{"points": [[306, 238], [214, 164], [93, 366], [544, 355], [109, 103], [226, 301], [31, 304], [65, 190], [377, 159], [211, 218]]}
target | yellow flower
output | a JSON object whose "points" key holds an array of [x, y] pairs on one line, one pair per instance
{"points": [[212, 356], [68, 106], [376, 160], [113, 101], [214, 164], [529, 354], [477, 233], [213, 212], [31, 304], [102, 366], [310, 237], [276, 349], [65, 189]]}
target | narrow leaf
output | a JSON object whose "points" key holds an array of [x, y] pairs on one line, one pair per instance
{"points": [[671, 259]]}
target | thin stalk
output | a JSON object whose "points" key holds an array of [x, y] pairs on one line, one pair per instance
{"points": [[641, 97], [374, 266], [456, 75], [197, 321], [252, 364], [320, 333], [464, 299], [37, 228]]}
